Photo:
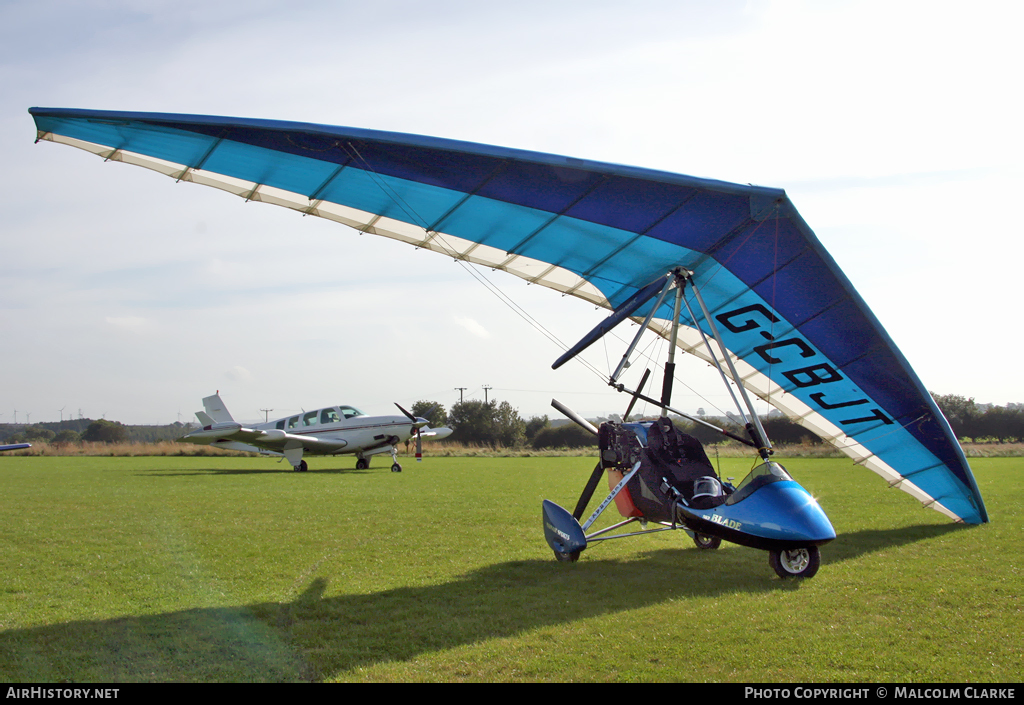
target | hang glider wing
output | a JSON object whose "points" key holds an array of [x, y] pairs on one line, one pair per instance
{"points": [[805, 340]]}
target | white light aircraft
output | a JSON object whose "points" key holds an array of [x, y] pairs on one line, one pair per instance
{"points": [[334, 430]]}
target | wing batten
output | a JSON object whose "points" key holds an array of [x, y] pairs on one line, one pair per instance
{"points": [[595, 231]]}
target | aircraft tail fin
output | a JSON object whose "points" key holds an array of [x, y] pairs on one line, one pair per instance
{"points": [[216, 410]]}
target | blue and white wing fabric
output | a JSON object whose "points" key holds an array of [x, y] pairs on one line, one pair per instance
{"points": [[804, 339]]}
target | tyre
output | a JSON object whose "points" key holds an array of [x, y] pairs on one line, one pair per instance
{"points": [[706, 543], [796, 562], [567, 557]]}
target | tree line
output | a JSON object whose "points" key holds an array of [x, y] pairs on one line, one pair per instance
{"points": [[498, 424], [494, 424], [970, 421], [91, 431]]}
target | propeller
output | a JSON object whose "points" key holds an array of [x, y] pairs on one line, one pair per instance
{"points": [[639, 389], [417, 424]]}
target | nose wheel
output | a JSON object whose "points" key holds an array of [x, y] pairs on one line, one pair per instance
{"points": [[706, 543], [796, 562]]}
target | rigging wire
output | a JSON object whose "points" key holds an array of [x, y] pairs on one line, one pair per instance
{"points": [[439, 237], [415, 217]]}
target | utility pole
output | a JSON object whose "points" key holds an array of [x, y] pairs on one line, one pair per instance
{"points": [[460, 390], [266, 414], [486, 387]]}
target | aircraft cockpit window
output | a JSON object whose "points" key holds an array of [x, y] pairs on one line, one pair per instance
{"points": [[329, 416], [280, 424], [293, 422], [762, 475], [309, 418], [350, 412]]}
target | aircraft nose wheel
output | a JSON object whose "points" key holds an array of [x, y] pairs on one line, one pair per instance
{"points": [[567, 557], [795, 563], [706, 543], [396, 468]]}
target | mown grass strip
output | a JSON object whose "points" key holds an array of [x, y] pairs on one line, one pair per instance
{"points": [[237, 569]]}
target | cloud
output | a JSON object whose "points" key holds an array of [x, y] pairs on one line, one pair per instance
{"points": [[239, 374], [472, 326], [135, 324]]}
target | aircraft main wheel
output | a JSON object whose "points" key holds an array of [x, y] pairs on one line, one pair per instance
{"points": [[796, 562], [707, 543], [396, 468], [362, 464], [303, 466], [567, 557]]}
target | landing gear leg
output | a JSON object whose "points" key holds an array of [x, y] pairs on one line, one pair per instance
{"points": [[395, 467]]}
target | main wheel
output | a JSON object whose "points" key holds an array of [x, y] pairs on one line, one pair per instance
{"points": [[362, 464], [303, 466], [567, 557], [396, 468], [707, 543], [796, 562]]}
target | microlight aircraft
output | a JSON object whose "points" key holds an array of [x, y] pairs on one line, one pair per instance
{"points": [[659, 474], [334, 430], [792, 326]]}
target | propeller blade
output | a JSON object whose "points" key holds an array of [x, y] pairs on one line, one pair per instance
{"points": [[417, 423], [419, 446], [643, 381], [586, 425]]}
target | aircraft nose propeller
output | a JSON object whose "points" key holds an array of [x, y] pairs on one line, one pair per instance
{"points": [[417, 424]]}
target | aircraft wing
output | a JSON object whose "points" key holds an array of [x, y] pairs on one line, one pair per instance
{"points": [[805, 340], [435, 434], [275, 440], [15, 446]]}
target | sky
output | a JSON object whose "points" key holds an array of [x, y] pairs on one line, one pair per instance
{"points": [[894, 128]]}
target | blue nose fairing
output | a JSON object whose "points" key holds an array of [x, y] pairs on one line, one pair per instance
{"points": [[778, 514]]}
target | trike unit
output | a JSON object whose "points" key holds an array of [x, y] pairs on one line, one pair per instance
{"points": [[659, 475]]}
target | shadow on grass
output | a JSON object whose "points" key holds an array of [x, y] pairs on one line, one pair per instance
{"points": [[315, 637], [857, 543], [284, 469]]}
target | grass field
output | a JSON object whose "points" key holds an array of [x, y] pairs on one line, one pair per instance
{"points": [[236, 569]]}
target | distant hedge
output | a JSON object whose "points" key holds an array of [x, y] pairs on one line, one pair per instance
{"points": [[564, 436]]}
